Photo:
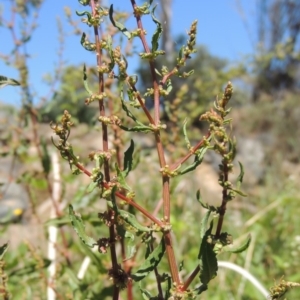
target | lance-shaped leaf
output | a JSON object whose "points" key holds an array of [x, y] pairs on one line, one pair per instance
{"points": [[157, 34], [199, 155], [145, 294], [4, 81], [58, 222], [96, 260], [46, 162], [239, 249], [29, 268], [186, 138], [131, 220], [232, 148], [186, 74], [211, 208], [118, 25], [128, 158], [79, 227], [181, 52], [125, 108], [109, 48], [85, 83], [121, 178], [84, 13], [130, 244], [239, 192], [204, 223], [207, 259], [86, 44], [241, 176], [84, 2], [3, 249], [141, 127], [151, 262], [121, 175], [169, 86], [92, 186]]}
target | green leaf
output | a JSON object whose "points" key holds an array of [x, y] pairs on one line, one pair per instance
{"points": [[4, 81], [239, 192], [128, 158], [145, 294], [121, 178], [207, 259], [130, 245], [121, 175], [84, 2], [241, 176], [186, 138], [181, 265], [130, 114], [95, 258], [199, 155], [86, 86], [118, 25], [3, 249], [92, 186], [58, 222], [186, 74], [169, 86], [46, 162], [84, 13], [181, 52], [109, 48], [29, 268], [241, 248], [204, 223], [151, 262], [157, 34], [131, 220], [232, 149], [211, 208], [86, 44], [80, 228], [140, 128]]}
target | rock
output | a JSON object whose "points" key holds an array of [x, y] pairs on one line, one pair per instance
{"points": [[13, 203]]}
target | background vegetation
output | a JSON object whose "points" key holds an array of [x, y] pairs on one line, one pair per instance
{"points": [[265, 120]]}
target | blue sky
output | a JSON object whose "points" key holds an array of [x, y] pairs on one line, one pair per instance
{"points": [[221, 28]]}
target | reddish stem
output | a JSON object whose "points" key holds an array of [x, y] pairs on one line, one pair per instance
{"points": [[112, 236], [165, 180], [192, 152]]}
